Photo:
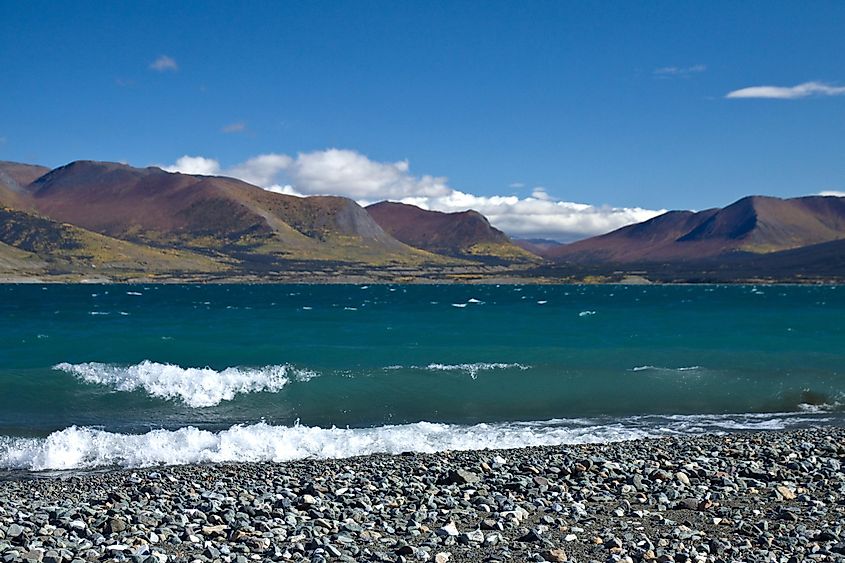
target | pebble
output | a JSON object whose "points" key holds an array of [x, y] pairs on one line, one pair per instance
{"points": [[769, 496]]}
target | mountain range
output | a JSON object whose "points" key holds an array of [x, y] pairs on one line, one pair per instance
{"points": [[109, 221]]}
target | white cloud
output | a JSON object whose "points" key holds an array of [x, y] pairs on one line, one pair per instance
{"points": [[194, 165], [349, 173], [352, 174], [668, 71], [261, 170], [538, 216], [164, 63], [834, 193], [516, 185], [788, 92], [237, 127]]}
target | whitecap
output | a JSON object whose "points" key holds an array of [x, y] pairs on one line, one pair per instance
{"points": [[586, 313], [134, 293], [195, 387], [658, 368], [459, 305], [474, 369]]}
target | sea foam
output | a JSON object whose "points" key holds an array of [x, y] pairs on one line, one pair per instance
{"points": [[88, 448], [474, 369], [195, 387]]}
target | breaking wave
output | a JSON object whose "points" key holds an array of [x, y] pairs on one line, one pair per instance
{"points": [[88, 448], [195, 387]]}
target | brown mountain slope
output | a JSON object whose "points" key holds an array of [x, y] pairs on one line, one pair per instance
{"points": [[754, 224], [215, 214], [14, 178], [467, 234], [36, 244]]}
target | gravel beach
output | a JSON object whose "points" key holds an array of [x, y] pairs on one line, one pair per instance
{"points": [[772, 496]]}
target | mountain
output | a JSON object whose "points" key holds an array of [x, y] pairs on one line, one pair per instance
{"points": [[467, 234], [752, 225], [14, 177], [222, 217], [540, 246], [34, 245]]}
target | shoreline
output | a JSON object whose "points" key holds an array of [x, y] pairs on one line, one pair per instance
{"points": [[416, 282], [746, 496]]}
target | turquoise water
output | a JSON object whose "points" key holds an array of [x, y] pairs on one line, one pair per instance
{"points": [[90, 368]]}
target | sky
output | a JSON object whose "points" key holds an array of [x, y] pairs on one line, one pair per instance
{"points": [[555, 119]]}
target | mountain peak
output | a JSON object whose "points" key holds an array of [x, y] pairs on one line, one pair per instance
{"points": [[460, 234]]}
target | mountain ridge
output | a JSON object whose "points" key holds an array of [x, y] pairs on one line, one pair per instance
{"points": [[90, 217], [755, 224], [463, 234]]}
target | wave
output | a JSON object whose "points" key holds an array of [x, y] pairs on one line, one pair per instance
{"points": [[657, 368], [89, 448], [195, 387], [473, 369]]}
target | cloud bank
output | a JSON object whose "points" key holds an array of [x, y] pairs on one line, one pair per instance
{"points": [[834, 193], [354, 175], [804, 90]]}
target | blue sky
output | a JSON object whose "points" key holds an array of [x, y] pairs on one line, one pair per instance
{"points": [[612, 105]]}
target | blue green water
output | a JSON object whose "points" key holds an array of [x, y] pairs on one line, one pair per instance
{"points": [[91, 374]]}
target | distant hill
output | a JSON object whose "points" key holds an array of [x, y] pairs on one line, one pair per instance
{"points": [[752, 225], [216, 215], [539, 246], [467, 234], [34, 245], [102, 220], [14, 177]]}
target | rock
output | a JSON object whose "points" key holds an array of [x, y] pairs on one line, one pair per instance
{"points": [[557, 555], [688, 503], [476, 536], [682, 478], [115, 525], [785, 492], [460, 477], [442, 557], [214, 530], [532, 536], [14, 531], [448, 530]]}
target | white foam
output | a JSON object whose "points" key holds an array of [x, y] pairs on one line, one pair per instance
{"points": [[88, 448], [196, 387], [134, 293], [657, 368], [459, 305], [586, 313], [474, 369], [474, 300]]}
